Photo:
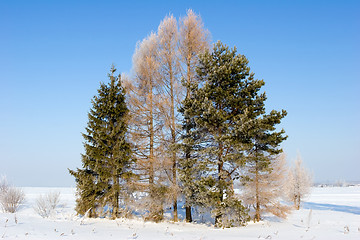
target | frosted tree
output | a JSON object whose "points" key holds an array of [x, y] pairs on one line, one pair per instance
{"points": [[171, 90], [173, 57], [264, 190], [146, 124], [193, 40], [299, 183]]}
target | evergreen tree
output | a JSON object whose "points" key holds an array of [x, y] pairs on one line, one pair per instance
{"points": [[223, 107], [262, 148], [107, 162]]}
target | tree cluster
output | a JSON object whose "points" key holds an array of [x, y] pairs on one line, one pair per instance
{"points": [[190, 125]]}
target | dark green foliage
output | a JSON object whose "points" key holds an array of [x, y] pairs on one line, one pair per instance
{"points": [[87, 192], [262, 146], [192, 168], [227, 136], [107, 160], [189, 166], [224, 121], [218, 109]]}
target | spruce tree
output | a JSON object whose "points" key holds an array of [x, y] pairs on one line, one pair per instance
{"points": [[107, 160]]}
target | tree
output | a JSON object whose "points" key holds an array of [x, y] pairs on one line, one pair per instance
{"points": [[263, 146], [224, 106], [193, 40], [107, 162], [160, 62], [299, 183], [264, 190], [146, 128], [171, 96]]}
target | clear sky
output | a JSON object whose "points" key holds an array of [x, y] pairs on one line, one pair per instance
{"points": [[53, 54]]}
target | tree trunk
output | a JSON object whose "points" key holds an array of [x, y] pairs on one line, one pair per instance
{"points": [[175, 195], [298, 202], [188, 206], [187, 150], [151, 154], [173, 140], [188, 214], [220, 178], [116, 198], [257, 205]]}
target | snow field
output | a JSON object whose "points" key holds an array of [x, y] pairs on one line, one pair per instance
{"points": [[329, 214]]}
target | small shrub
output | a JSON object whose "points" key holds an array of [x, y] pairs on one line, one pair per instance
{"points": [[11, 199], [233, 213], [53, 199], [45, 205]]}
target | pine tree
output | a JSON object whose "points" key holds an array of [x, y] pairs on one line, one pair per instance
{"points": [[224, 105], [263, 146], [107, 162], [299, 183]]}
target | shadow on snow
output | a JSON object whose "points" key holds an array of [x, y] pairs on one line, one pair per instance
{"points": [[332, 207]]}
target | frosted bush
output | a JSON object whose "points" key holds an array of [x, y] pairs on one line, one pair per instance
{"points": [[11, 199], [45, 205]]}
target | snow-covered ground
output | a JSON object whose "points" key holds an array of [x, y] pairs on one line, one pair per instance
{"points": [[327, 214]]}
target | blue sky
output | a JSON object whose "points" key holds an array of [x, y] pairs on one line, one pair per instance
{"points": [[53, 54]]}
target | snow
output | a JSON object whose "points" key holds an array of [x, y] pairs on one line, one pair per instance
{"points": [[326, 214]]}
